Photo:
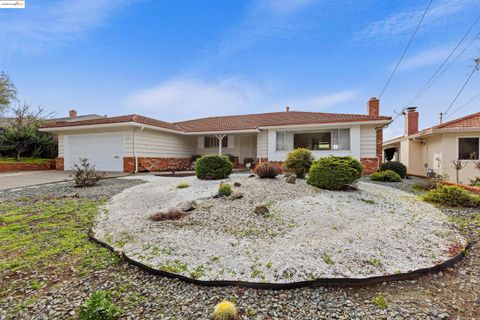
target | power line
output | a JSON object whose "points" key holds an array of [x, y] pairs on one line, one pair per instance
{"points": [[466, 103], [434, 77], [406, 49], [475, 68]]}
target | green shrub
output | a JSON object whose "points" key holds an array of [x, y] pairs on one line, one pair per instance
{"points": [[299, 162], [334, 173], [386, 176], [267, 170], [213, 167], [396, 166], [475, 182], [452, 196], [99, 306], [224, 189]]}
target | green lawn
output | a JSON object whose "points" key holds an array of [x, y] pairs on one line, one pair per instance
{"points": [[22, 160]]}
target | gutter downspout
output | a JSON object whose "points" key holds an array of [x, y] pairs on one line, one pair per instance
{"points": [[134, 151], [382, 127]]}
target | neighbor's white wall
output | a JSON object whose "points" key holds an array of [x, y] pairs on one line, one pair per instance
{"points": [[158, 144]]}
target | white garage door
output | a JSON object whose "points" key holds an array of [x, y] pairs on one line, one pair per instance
{"points": [[104, 150]]}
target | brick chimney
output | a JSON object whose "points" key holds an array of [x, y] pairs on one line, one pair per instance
{"points": [[373, 107], [411, 121], [287, 109], [72, 113]]}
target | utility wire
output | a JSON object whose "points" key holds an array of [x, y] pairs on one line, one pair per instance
{"points": [[434, 77], [406, 49], [466, 103], [477, 63]]}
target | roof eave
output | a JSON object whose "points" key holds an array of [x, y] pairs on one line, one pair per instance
{"points": [[326, 124], [108, 125]]}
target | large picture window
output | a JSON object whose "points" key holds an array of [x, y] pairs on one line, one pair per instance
{"points": [[338, 139], [468, 148], [212, 142]]}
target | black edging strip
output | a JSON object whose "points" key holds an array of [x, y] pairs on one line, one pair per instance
{"points": [[321, 282]]}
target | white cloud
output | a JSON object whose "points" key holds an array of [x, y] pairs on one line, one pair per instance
{"points": [[405, 21], [46, 24], [425, 58], [186, 98]]}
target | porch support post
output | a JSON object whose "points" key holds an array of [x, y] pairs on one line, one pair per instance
{"points": [[220, 139]]}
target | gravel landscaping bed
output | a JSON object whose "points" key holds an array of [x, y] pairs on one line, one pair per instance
{"points": [[308, 233], [452, 294]]}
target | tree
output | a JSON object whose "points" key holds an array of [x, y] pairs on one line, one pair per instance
{"points": [[8, 92], [22, 135]]}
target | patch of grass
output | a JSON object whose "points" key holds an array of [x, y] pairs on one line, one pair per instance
{"points": [[175, 266], [197, 272], [328, 259], [182, 185], [23, 160], [375, 262], [35, 232], [379, 301]]}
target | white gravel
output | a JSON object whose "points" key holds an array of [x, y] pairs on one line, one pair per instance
{"points": [[309, 233]]}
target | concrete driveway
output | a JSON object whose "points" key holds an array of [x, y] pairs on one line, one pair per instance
{"points": [[10, 180]]}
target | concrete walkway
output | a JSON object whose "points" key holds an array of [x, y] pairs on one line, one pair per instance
{"points": [[10, 180]]}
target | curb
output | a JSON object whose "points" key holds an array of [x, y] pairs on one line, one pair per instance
{"points": [[320, 282]]}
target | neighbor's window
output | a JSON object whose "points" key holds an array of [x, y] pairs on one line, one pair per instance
{"points": [[468, 148], [212, 142], [338, 139]]}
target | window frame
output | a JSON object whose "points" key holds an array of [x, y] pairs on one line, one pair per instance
{"points": [[331, 133], [214, 139], [458, 148]]}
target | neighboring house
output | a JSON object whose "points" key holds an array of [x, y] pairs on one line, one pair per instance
{"points": [[437, 147], [135, 143], [72, 116]]}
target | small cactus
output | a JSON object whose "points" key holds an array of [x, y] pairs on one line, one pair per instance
{"points": [[225, 189], [225, 310]]}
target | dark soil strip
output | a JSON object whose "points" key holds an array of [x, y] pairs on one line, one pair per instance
{"points": [[320, 282]]}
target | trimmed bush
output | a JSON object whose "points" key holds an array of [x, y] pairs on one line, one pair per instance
{"points": [[452, 196], [299, 162], [213, 167], [334, 173], [386, 176], [396, 166], [99, 306], [266, 170], [225, 189], [225, 310]]}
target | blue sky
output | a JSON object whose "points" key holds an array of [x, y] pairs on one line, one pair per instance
{"points": [[176, 60]]}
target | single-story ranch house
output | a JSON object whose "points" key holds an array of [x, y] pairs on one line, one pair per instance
{"points": [[134, 143], [436, 148]]}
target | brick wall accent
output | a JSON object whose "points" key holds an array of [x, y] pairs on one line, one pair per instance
{"points": [[59, 164], [156, 164], [8, 167], [379, 142], [370, 165]]}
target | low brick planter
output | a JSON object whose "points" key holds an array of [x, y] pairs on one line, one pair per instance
{"points": [[22, 166]]}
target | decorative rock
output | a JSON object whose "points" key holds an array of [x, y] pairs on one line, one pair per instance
{"points": [[291, 179], [188, 206], [236, 195], [251, 176], [237, 184], [261, 210]]}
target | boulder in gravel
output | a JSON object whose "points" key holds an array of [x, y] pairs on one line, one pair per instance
{"points": [[188, 206], [236, 195], [171, 214], [291, 179], [261, 210], [237, 184], [252, 176]]}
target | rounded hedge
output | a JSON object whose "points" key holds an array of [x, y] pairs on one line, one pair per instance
{"points": [[334, 173], [299, 161], [396, 166], [213, 167], [386, 176]]}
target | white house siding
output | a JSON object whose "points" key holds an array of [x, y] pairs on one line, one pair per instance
{"points": [[368, 141], [157, 144], [61, 149]]}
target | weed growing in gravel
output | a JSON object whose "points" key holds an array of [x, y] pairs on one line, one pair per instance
{"points": [[175, 266], [99, 306], [268, 265], [328, 259], [35, 285], [182, 185], [375, 262], [379, 301], [197, 272], [368, 201], [250, 312]]}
